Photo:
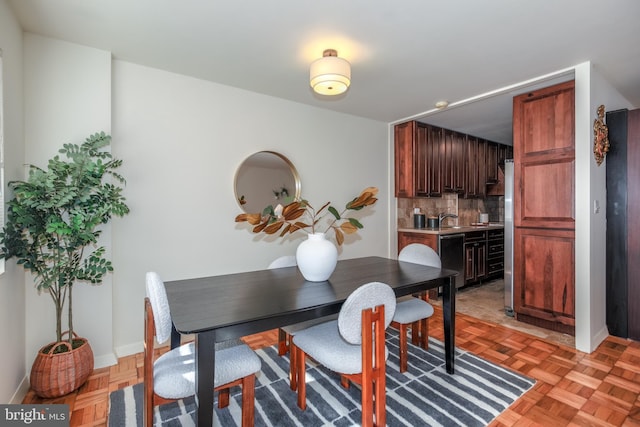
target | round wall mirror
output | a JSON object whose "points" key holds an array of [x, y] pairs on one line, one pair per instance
{"points": [[266, 178]]}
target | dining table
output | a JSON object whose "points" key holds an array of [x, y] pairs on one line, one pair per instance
{"points": [[230, 306]]}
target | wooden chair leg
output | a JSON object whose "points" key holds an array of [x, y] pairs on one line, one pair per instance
{"points": [[223, 398], [378, 368], [424, 334], [344, 381], [403, 348], [148, 408], [248, 400], [301, 377], [283, 342], [381, 401], [367, 400], [293, 367], [149, 328], [415, 333]]}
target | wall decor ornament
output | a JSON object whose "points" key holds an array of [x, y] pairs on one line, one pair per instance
{"points": [[600, 137]]}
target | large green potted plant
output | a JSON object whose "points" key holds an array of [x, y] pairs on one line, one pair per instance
{"points": [[52, 229]]}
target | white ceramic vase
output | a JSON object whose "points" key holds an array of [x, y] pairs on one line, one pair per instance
{"points": [[317, 258]]}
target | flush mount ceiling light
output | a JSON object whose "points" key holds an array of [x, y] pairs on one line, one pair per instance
{"points": [[442, 104], [330, 75]]}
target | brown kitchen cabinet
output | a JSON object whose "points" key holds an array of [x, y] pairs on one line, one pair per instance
{"points": [[475, 249], [495, 253], [417, 160], [504, 152], [475, 152], [431, 240], [454, 162], [544, 214], [404, 159], [428, 143], [422, 160], [459, 166], [406, 238], [545, 278], [471, 154], [430, 161], [435, 150], [483, 251], [492, 162], [482, 168], [497, 188]]}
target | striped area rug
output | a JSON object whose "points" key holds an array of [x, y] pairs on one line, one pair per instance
{"points": [[423, 396]]}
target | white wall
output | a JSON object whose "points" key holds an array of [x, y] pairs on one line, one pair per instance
{"points": [[182, 139], [67, 98], [592, 90], [12, 291]]}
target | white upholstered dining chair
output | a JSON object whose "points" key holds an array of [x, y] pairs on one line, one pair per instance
{"points": [[411, 311], [172, 375], [286, 332], [352, 346]]}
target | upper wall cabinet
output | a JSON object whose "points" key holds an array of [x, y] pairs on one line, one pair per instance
{"points": [[404, 135], [453, 179], [428, 167], [504, 152], [492, 162], [430, 161], [417, 160], [476, 167], [423, 160]]}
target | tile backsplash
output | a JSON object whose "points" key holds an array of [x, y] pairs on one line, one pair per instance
{"points": [[468, 210]]}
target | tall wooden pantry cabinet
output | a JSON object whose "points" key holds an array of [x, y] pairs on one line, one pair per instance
{"points": [[544, 214]]}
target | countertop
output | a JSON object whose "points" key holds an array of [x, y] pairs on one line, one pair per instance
{"points": [[453, 229]]}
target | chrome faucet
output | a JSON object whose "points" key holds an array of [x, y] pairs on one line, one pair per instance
{"points": [[444, 215]]}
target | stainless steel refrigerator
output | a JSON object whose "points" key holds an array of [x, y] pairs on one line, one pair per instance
{"points": [[508, 237]]}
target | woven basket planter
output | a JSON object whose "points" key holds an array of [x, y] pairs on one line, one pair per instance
{"points": [[57, 374]]}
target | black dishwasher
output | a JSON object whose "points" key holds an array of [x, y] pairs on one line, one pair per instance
{"points": [[451, 250]]}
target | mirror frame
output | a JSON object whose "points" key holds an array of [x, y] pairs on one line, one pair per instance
{"points": [[287, 162]]}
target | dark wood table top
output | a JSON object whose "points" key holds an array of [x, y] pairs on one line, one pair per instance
{"points": [[236, 305]]}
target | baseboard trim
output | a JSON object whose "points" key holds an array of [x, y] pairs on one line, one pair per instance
{"points": [[105, 360], [598, 338], [21, 391], [138, 347], [129, 349]]}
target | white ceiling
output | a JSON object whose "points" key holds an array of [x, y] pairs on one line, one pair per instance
{"points": [[406, 55]]}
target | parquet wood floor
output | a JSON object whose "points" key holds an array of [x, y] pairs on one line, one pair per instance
{"points": [[572, 389]]}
